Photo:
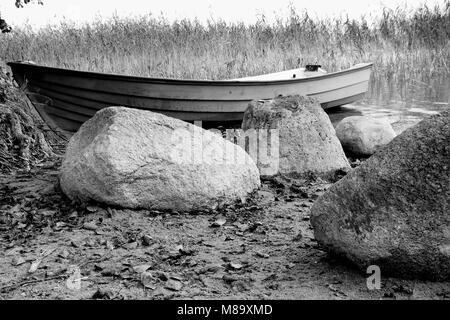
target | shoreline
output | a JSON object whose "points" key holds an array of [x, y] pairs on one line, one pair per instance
{"points": [[264, 250]]}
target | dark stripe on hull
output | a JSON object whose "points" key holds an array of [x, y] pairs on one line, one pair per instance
{"points": [[76, 96], [64, 110], [67, 119]]}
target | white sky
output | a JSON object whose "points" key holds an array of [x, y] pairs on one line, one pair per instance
{"points": [[229, 10]]}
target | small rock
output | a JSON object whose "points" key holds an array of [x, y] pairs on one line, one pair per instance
{"points": [[218, 223], [271, 277], [73, 215], [290, 265], [235, 266], [273, 286], [64, 253], [163, 293], [299, 190], [210, 269], [298, 237], [265, 197], [90, 226], [389, 294], [242, 227], [148, 280], [176, 277], [92, 208], [98, 267], [402, 289], [48, 213], [110, 212], [146, 240], [110, 271], [262, 255], [304, 205], [241, 286], [227, 278], [60, 225], [102, 295], [131, 245], [17, 261], [89, 243], [161, 275], [109, 245], [254, 226], [173, 285], [187, 252], [141, 268], [363, 135]]}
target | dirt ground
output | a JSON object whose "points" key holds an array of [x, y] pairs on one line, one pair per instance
{"points": [[262, 249]]}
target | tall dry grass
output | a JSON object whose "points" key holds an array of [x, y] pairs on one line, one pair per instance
{"points": [[411, 50]]}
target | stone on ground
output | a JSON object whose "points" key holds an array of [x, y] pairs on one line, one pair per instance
{"points": [[139, 159], [302, 139], [394, 210], [363, 135]]}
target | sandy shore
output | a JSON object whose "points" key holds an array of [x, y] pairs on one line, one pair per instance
{"points": [[263, 249]]}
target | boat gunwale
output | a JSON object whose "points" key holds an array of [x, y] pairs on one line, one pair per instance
{"points": [[169, 99], [170, 81]]}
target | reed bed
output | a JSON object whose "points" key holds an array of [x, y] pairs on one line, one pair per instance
{"points": [[410, 49]]}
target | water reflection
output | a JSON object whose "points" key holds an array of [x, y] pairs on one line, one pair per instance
{"points": [[403, 105]]}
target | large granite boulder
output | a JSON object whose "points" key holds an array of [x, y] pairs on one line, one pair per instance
{"points": [[394, 210], [300, 136], [363, 135], [140, 159]]}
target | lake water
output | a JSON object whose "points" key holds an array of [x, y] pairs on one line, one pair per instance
{"points": [[403, 106]]}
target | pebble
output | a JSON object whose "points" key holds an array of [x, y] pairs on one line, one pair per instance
{"points": [[173, 285], [229, 278], [90, 226], [17, 261], [147, 240], [235, 265], [91, 208], [141, 268], [218, 223], [262, 255]]}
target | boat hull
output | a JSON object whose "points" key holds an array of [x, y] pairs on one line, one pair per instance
{"points": [[67, 98]]}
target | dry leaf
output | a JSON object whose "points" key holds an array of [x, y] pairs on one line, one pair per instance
{"points": [[141, 268], [219, 223]]}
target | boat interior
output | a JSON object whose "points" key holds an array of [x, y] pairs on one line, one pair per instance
{"points": [[284, 75]]}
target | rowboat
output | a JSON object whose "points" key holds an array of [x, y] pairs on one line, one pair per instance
{"points": [[67, 98]]}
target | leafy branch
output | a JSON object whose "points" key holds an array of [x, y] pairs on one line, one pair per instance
{"points": [[4, 26]]}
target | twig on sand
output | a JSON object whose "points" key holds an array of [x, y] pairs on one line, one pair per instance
{"points": [[17, 285], [14, 286], [102, 258]]}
